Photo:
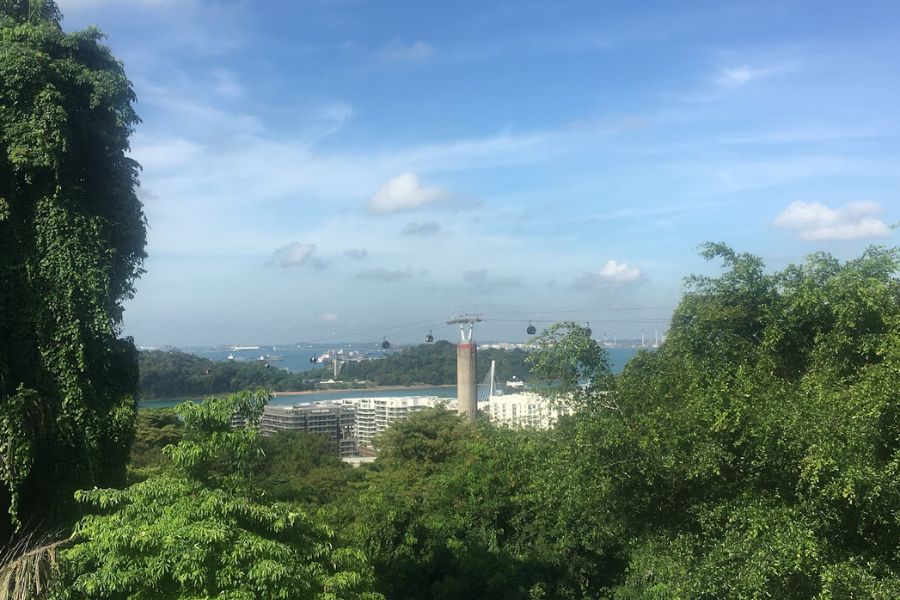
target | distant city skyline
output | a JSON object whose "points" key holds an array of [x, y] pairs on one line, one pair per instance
{"points": [[315, 169]]}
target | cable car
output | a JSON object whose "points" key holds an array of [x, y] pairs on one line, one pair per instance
{"points": [[429, 338], [587, 329], [312, 359], [531, 329], [385, 344]]}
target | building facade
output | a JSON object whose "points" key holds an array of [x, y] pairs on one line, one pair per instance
{"points": [[335, 420], [374, 415], [523, 409]]}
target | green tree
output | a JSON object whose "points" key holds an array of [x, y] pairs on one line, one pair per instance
{"points": [[154, 429], [302, 467], [173, 374], [203, 530], [72, 236], [756, 454], [569, 366], [441, 512]]}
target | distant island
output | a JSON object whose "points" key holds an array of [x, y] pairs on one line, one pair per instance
{"points": [[176, 374]]}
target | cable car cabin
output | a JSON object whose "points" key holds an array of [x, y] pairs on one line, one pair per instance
{"points": [[429, 338], [312, 359], [385, 344], [531, 329]]}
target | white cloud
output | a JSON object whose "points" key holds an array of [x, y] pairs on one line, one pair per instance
{"points": [[813, 221], [405, 192], [619, 272], [158, 154], [396, 50], [738, 76], [612, 273], [297, 254]]}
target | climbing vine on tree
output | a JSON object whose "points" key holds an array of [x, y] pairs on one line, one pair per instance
{"points": [[72, 237]]}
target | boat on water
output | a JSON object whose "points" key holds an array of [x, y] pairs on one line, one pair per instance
{"points": [[515, 384], [270, 358]]}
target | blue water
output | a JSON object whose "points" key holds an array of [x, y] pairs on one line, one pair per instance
{"points": [[299, 357]]}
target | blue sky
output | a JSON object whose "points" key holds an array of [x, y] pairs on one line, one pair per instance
{"points": [[339, 170]]}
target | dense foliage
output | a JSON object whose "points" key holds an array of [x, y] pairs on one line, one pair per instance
{"points": [[72, 241], [154, 429], [445, 512], [756, 454], [202, 530], [432, 364], [173, 374]]}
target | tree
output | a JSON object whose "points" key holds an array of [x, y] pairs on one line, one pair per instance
{"points": [[203, 530], [302, 467], [173, 374], [445, 513], [72, 236], [154, 429], [569, 366], [755, 454]]}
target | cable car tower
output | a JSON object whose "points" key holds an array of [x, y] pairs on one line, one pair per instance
{"points": [[466, 385]]}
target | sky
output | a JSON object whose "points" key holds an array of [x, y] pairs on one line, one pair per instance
{"points": [[348, 170]]}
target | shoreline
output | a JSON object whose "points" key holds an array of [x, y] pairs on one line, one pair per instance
{"points": [[377, 388]]}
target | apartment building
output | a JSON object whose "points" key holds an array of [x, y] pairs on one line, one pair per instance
{"points": [[374, 415], [523, 409], [333, 419]]}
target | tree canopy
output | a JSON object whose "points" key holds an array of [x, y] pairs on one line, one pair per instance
{"points": [[755, 454], [72, 236], [203, 530], [174, 374]]}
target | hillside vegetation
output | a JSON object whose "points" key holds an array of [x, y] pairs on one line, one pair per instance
{"points": [[433, 364], [756, 454], [174, 374]]}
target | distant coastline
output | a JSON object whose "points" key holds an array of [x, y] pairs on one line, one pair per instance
{"points": [[168, 402], [375, 388]]}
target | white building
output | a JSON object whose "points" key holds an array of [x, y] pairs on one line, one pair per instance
{"points": [[354, 422], [374, 415], [523, 409]]}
